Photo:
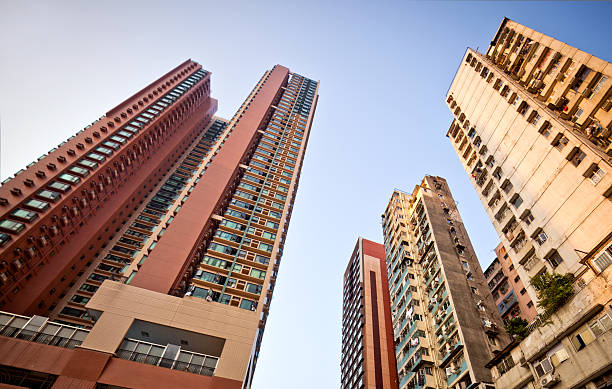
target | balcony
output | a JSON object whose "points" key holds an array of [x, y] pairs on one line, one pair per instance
{"points": [[40, 330], [170, 356]]}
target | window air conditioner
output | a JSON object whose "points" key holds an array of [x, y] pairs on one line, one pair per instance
{"points": [[549, 380]]}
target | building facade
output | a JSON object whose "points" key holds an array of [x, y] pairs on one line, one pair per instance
{"points": [[507, 288], [368, 353], [446, 324], [532, 127], [150, 241]]}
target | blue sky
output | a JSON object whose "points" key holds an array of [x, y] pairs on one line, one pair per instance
{"points": [[381, 120]]}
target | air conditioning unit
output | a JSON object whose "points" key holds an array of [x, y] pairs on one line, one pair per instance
{"points": [[549, 380], [450, 371]]}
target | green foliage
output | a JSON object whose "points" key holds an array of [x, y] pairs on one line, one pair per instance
{"points": [[553, 290], [517, 328]]}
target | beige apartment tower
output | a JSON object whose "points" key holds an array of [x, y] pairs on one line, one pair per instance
{"points": [[446, 323], [532, 127]]}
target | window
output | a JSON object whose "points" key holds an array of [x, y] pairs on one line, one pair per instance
{"points": [[540, 236], [534, 117], [253, 288], [498, 83], [553, 358], [498, 173], [79, 171], [11, 226], [506, 186], [36, 204], [248, 305], [78, 299], [523, 108], [514, 100], [523, 291], [49, 195], [88, 164], [517, 279], [545, 129], [603, 259], [258, 273], [96, 157], [24, 215], [530, 304], [59, 186], [576, 156], [543, 367], [554, 258], [560, 141], [594, 173], [505, 91], [516, 200], [104, 150], [70, 178], [527, 217]]}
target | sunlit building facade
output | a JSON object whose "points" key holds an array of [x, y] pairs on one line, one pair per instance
{"points": [[507, 288], [147, 245], [532, 127], [368, 353], [446, 324]]}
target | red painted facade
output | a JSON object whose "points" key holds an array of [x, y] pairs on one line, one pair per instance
{"points": [[81, 368], [167, 263], [58, 243]]}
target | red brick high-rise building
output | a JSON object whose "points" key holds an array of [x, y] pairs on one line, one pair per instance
{"points": [[149, 242], [368, 353]]}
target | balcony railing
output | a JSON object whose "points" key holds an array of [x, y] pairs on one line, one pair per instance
{"points": [[165, 362], [188, 361], [38, 329]]}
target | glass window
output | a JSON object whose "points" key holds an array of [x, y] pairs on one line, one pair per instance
{"points": [[79, 170], [4, 239], [88, 164], [125, 134], [248, 304], [59, 186], [24, 214], [11, 226], [70, 178], [104, 150], [49, 195], [96, 157], [258, 273], [118, 139], [253, 288], [36, 204], [112, 145]]}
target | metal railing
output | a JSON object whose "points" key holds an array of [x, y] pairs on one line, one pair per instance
{"points": [[41, 330], [39, 337], [164, 362]]}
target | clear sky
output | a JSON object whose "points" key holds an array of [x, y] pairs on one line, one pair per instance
{"points": [[380, 123]]}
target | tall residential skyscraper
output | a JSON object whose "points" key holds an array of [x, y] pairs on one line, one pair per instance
{"points": [[445, 321], [368, 354], [532, 127], [153, 237], [507, 288]]}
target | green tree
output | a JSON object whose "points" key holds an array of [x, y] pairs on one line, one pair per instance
{"points": [[553, 290], [517, 328]]}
